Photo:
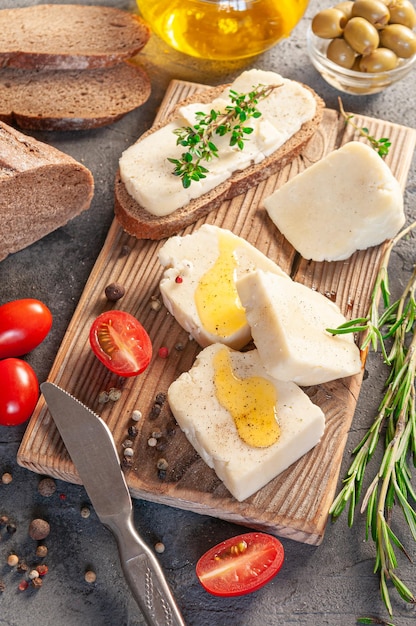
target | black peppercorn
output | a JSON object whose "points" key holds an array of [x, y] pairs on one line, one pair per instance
{"points": [[114, 292]]}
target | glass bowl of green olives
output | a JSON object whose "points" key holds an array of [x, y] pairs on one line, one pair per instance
{"points": [[363, 46]]}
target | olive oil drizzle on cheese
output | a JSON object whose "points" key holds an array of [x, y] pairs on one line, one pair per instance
{"points": [[250, 401], [219, 307]]}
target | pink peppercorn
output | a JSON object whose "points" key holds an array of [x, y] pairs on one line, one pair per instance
{"points": [[163, 352], [179, 279]]}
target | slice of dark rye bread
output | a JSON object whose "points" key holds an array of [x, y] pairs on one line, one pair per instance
{"points": [[41, 189], [138, 222], [69, 36], [71, 99]]}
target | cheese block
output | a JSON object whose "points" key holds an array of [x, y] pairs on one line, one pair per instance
{"points": [[219, 434], [198, 284], [288, 324], [148, 174], [348, 201]]}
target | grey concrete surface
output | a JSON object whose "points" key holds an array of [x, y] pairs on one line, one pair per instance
{"points": [[331, 584]]}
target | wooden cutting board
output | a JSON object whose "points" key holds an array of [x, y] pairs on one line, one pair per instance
{"points": [[295, 504]]}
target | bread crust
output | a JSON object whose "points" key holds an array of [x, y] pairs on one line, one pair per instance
{"points": [[69, 37], [41, 189], [138, 222], [71, 99]]}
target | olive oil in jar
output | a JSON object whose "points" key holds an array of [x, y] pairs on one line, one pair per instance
{"points": [[222, 29]]}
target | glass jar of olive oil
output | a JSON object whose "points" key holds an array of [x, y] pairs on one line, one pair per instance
{"points": [[222, 29]]}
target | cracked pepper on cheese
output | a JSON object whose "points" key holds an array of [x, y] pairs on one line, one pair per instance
{"points": [[214, 424]]}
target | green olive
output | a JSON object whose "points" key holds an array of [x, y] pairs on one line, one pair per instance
{"points": [[341, 53], [345, 8], [328, 23], [361, 35], [380, 60], [400, 39], [402, 12], [356, 66], [374, 11]]}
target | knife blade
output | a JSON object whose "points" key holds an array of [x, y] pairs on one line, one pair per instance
{"points": [[92, 449]]}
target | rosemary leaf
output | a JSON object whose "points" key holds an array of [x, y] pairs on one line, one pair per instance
{"points": [[391, 485]]}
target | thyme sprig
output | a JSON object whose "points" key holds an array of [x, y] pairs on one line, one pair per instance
{"points": [[198, 139], [381, 146], [396, 416]]}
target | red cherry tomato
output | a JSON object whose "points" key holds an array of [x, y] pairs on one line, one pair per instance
{"points": [[19, 391], [240, 564], [24, 324], [121, 343]]}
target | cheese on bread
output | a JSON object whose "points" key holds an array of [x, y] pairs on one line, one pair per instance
{"points": [[348, 201], [198, 284], [214, 430], [148, 175], [288, 323]]}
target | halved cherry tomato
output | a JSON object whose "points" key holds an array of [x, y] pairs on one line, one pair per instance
{"points": [[19, 391], [24, 324], [240, 565], [121, 343]]}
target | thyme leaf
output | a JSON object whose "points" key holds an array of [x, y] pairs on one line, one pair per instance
{"points": [[396, 415], [381, 146], [198, 139]]}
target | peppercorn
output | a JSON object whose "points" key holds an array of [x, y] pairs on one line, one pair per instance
{"points": [[47, 487], [22, 566], [85, 512], [155, 303], [137, 415], [159, 547], [12, 560], [125, 250], [4, 519], [41, 551], [133, 431], [42, 570], [162, 464], [103, 397], [2, 586], [39, 529], [114, 291], [23, 585], [37, 582], [33, 574], [7, 478], [128, 452], [160, 398], [155, 411], [114, 394], [127, 443], [163, 352], [11, 528], [90, 576]]}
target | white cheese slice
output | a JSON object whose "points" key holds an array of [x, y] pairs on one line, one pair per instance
{"points": [[211, 429], [147, 173], [190, 257], [288, 324], [348, 201]]}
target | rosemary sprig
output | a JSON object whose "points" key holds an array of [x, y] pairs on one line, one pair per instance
{"points": [[198, 138], [396, 415], [381, 146]]}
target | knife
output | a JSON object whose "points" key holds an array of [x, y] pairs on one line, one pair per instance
{"points": [[91, 447]]}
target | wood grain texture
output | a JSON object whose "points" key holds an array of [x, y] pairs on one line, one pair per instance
{"points": [[296, 503]]}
